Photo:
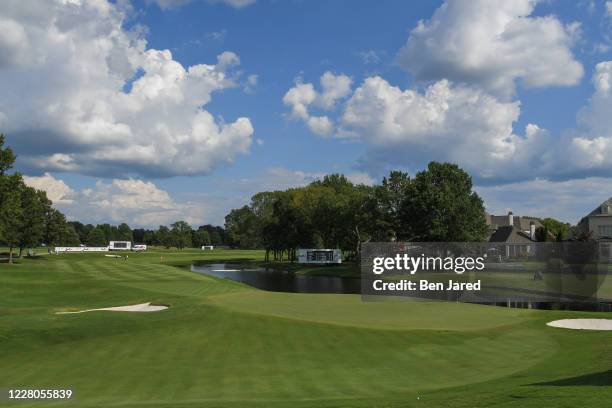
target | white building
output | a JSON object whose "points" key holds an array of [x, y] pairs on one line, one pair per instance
{"points": [[120, 245], [319, 256]]}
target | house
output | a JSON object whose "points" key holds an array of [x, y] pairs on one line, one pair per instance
{"points": [[515, 234], [523, 224], [598, 223]]}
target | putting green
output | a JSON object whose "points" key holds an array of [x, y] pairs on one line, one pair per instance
{"points": [[222, 344], [350, 310]]}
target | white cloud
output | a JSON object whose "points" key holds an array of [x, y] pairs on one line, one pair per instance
{"points": [[93, 99], [251, 83], [57, 191], [370, 57], [137, 202], [320, 125], [237, 4], [609, 8], [446, 123], [492, 43], [303, 95], [588, 148]]}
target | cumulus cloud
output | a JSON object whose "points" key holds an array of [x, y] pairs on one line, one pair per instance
{"points": [[588, 148], [138, 202], [446, 122], [57, 191], [303, 95], [492, 44], [92, 98]]}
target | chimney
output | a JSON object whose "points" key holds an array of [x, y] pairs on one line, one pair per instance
{"points": [[532, 230], [510, 219]]}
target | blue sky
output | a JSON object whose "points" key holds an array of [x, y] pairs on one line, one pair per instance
{"points": [[502, 102]]}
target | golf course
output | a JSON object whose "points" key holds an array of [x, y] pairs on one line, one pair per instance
{"points": [[224, 344]]}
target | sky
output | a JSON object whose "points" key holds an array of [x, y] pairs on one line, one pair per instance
{"points": [[152, 111]]}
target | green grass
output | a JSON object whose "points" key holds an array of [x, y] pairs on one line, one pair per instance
{"points": [[222, 344]]}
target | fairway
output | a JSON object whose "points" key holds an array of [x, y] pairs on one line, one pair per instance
{"points": [[223, 344]]}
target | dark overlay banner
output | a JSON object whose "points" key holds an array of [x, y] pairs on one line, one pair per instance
{"points": [[563, 272]]}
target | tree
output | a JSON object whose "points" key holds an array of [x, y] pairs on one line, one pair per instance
{"points": [[442, 207], [70, 236], [97, 238], [10, 211], [124, 233], [7, 157], [557, 228], [164, 237], [181, 232], [541, 234], [200, 237], [55, 227], [139, 235], [391, 196], [242, 229], [32, 219], [81, 229]]}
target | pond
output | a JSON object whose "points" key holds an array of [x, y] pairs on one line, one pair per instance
{"points": [[278, 280]]}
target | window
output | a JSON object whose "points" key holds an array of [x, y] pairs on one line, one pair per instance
{"points": [[605, 230], [605, 209]]}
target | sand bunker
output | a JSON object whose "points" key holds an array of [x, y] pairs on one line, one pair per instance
{"points": [[143, 307], [582, 324]]}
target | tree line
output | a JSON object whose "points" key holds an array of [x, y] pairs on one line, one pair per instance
{"points": [[437, 204], [178, 235]]}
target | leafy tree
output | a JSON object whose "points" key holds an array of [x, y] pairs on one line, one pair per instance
{"points": [[391, 197], [32, 220], [55, 226], [10, 211], [70, 236], [7, 157], [81, 229], [164, 237], [138, 235], [181, 233], [200, 237], [124, 233], [541, 234], [242, 229], [216, 237], [442, 206], [558, 229], [97, 238]]}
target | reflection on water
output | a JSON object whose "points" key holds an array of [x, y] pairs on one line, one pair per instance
{"points": [[278, 280]]}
